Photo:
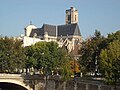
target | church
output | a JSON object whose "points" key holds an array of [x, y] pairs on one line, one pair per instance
{"points": [[67, 36]]}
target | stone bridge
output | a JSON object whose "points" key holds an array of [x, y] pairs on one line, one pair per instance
{"points": [[38, 82], [28, 82]]}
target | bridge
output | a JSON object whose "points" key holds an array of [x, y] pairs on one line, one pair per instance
{"points": [[22, 82], [38, 82]]}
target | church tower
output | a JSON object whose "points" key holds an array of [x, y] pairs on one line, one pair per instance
{"points": [[71, 16]]}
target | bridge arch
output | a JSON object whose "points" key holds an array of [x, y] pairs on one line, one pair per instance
{"points": [[17, 82]]}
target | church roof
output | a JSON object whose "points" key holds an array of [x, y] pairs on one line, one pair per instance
{"points": [[62, 30], [68, 30], [50, 29]]}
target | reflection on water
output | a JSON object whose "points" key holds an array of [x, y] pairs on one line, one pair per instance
{"points": [[10, 86]]}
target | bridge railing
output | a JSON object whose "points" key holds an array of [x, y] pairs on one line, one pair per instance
{"points": [[10, 75]]}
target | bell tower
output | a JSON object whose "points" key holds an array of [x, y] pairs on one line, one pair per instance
{"points": [[71, 16]]}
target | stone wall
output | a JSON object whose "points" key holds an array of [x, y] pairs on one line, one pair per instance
{"points": [[37, 82], [55, 83], [71, 85]]}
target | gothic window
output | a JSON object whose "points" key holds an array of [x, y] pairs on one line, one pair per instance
{"points": [[75, 17], [69, 18]]}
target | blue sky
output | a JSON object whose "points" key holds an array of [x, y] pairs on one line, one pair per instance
{"points": [[15, 15]]}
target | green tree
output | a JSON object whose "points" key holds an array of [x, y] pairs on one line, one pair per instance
{"points": [[110, 38], [113, 36], [64, 64], [11, 55], [30, 60], [90, 51], [110, 61], [48, 57]]}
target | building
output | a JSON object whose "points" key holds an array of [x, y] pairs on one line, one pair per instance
{"points": [[67, 36], [71, 16]]}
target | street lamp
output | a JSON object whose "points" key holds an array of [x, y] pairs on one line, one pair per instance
{"points": [[96, 66], [75, 58], [46, 72], [46, 76]]}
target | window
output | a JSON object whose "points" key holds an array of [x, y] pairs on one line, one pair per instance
{"points": [[75, 17]]}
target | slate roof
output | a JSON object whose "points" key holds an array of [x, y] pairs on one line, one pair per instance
{"points": [[62, 30], [68, 30], [51, 29], [38, 31]]}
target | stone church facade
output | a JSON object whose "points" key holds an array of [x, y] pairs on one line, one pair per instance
{"points": [[67, 36]]}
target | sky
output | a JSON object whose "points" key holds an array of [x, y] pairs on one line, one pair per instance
{"points": [[103, 15]]}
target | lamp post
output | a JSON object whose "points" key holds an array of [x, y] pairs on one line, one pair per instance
{"points": [[96, 62], [46, 72], [46, 76], [75, 58], [75, 84], [96, 66]]}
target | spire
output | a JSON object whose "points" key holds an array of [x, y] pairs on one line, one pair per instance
{"points": [[30, 22]]}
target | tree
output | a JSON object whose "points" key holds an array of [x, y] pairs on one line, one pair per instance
{"points": [[110, 61], [113, 36], [90, 51], [11, 55], [30, 60], [110, 38], [75, 67], [48, 57]]}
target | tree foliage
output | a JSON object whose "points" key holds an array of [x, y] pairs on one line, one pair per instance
{"points": [[106, 51], [75, 67], [11, 55], [110, 61], [90, 52], [110, 58], [45, 56], [48, 57]]}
